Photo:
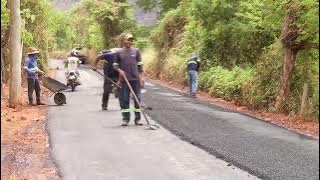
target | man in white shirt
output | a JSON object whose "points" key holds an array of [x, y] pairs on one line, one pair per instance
{"points": [[72, 64]]}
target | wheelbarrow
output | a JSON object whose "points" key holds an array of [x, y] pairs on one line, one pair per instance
{"points": [[56, 88]]}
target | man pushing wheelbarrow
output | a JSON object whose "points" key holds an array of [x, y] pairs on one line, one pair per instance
{"points": [[34, 74]]}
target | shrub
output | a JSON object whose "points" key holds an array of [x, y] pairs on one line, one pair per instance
{"points": [[225, 83]]}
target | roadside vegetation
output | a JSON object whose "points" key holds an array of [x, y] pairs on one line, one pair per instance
{"points": [[261, 54]]}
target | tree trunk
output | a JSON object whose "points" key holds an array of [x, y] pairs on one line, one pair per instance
{"points": [[285, 79], [15, 53], [289, 34], [304, 99]]}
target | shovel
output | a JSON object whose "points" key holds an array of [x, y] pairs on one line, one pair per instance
{"points": [[148, 126]]}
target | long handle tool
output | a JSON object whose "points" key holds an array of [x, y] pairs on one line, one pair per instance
{"points": [[144, 106], [108, 79]]}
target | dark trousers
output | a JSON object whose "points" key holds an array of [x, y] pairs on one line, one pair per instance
{"points": [[107, 89], [125, 100], [33, 85]]}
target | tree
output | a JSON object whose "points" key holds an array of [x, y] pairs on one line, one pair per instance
{"points": [[165, 5], [4, 41], [15, 52], [295, 36]]}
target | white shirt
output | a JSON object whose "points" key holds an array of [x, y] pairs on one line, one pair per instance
{"points": [[73, 63]]}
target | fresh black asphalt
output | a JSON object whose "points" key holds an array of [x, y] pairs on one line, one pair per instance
{"points": [[262, 149]]}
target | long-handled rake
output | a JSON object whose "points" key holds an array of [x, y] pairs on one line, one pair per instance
{"points": [[149, 126]]}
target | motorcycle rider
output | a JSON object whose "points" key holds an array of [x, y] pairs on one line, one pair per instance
{"points": [[72, 63], [76, 52]]}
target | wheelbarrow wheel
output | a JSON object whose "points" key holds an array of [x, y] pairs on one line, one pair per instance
{"points": [[59, 99]]}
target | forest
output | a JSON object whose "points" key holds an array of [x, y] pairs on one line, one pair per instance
{"points": [[259, 54]]}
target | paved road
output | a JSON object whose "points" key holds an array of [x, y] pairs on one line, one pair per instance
{"points": [[265, 150], [88, 143]]}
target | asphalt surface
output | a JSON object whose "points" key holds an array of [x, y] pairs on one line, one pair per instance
{"points": [[88, 143], [263, 149]]}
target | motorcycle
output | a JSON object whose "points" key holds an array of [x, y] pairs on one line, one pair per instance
{"points": [[72, 80]]}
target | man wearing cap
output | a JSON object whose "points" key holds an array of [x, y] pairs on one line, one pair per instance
{"points": [[108, 56], [33, 72], [193, 68], [128, 64]]}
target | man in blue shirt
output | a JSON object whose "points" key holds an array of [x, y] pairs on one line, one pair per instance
{"points": [[33, 72], [108, 57], [193, 68]]}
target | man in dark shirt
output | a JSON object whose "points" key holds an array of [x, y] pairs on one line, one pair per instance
{"points": [[108, 57], [193, 68], [128, 64]]}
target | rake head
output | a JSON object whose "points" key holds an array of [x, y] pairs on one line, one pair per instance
{"points": [[152, 127]]}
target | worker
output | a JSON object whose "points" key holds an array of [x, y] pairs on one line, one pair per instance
{"points": [[108, 57], [193, 69], [33, 72], [128, 64]]}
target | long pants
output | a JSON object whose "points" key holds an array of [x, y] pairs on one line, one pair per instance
{"points": [[193, 82], [125, 100], [33, 85], [107, 89]]}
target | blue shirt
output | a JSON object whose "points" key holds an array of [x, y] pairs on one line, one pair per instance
{"points": [[31, 66], [108, 57]]}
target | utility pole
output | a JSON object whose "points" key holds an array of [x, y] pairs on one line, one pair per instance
{"points": [[15, 53]]}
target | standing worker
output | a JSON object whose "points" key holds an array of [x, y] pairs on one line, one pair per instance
{"points": [[33, 72], [128, 64], [193, 69], [108, 57]]}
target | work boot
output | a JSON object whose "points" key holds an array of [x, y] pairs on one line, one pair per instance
{"points": [[40, 103], [31, 104], [104, 108], [138, 123], [124, 123]]}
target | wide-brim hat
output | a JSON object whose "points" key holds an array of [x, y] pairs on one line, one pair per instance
{"points": [[33, 50]]}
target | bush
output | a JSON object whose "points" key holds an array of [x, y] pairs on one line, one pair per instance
{"points": [[150, 62], [141, 43], [58, 54], [262, 90], [224, 83], [172, 68]]}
